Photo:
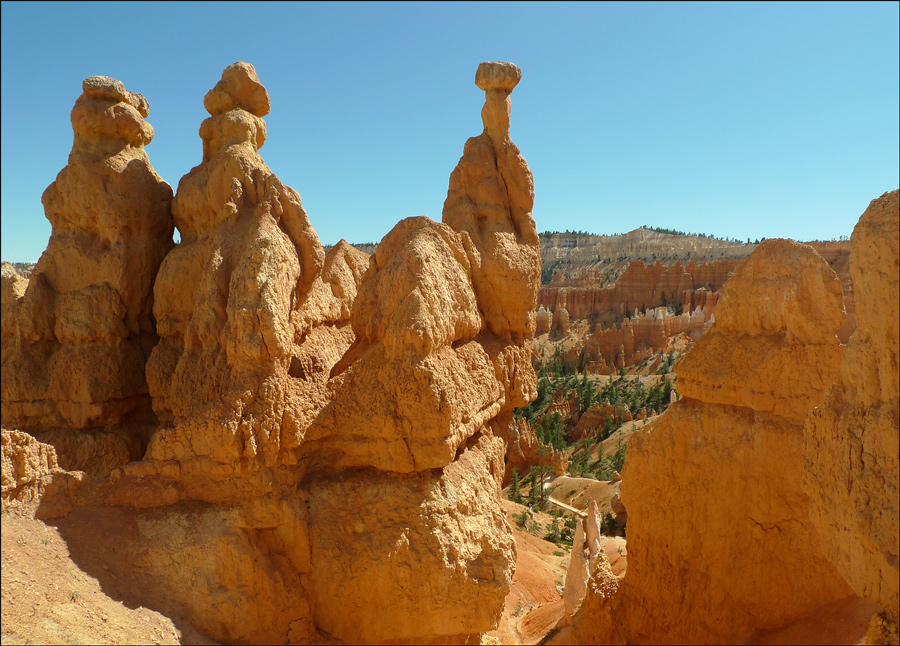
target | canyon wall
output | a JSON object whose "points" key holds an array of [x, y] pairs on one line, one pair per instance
{"points": [[851, 441], [639, 287], [719, 536], [75, 341]]}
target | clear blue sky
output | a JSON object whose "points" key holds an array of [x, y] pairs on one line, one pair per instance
{"points": [[739, 120]]}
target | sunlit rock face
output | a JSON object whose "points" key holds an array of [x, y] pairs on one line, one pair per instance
{"points": [[332, 428], [851, 442], [76, 340], [720, 542]]}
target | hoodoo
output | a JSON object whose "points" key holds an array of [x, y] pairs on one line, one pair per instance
{"points": [[332, 428], [719, 538], [75, 343], [852, 441]]}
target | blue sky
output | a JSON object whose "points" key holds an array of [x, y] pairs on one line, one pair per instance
{"points": [[739, 120]]}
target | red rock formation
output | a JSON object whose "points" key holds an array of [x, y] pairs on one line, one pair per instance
{"points": [[647, 333], [524, 451], [851, 441], [640, 287], [76, 341], [716, 510]]}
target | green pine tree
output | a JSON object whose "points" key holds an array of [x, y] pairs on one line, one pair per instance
{"points": [[514, 494]]}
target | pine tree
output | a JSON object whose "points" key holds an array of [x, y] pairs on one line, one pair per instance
{"points": [[514, 494]]}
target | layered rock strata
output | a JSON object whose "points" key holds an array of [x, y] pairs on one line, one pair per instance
{"points": [[641, 286], [713, 488], [851, 441], [76, 341]]}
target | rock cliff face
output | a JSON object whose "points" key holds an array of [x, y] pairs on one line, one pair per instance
{"points": [[851, 443], [640, 286], [76, 341], [719, 538], [837, 254], [333, 427], [524, 450]]}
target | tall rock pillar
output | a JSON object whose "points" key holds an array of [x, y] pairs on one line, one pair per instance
{"points": [[83, 330]]}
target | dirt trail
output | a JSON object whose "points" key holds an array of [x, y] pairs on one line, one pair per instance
{"points": [[565, 506]]}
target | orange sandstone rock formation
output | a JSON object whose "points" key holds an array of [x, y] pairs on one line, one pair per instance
{"points": [[719, 539], [586, 548], [334, 427], [421, 403], [238, 298], [491, 196], [851, 443], [29, 470], [524, 450], [75, 343]]}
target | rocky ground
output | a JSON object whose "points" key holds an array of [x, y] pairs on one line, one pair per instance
{"points": [[48, 599]]}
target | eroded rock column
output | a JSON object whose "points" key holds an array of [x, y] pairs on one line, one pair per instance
{"points": [[851, 441], [415, 430], [240, 365], [720, 542], [75, 343]]}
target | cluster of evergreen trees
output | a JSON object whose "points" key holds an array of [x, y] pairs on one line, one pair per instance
{"points": [[622, 393], [537, 499]]}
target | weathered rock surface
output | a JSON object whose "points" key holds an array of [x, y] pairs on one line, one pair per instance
{"points": [[851, 443], [237, 299], [524, 450], [75, 343], [421, 403], [331, 454], [586, 549], [423, 556], [719, 538], [491, 196], [12, 289], [27, 470]]}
